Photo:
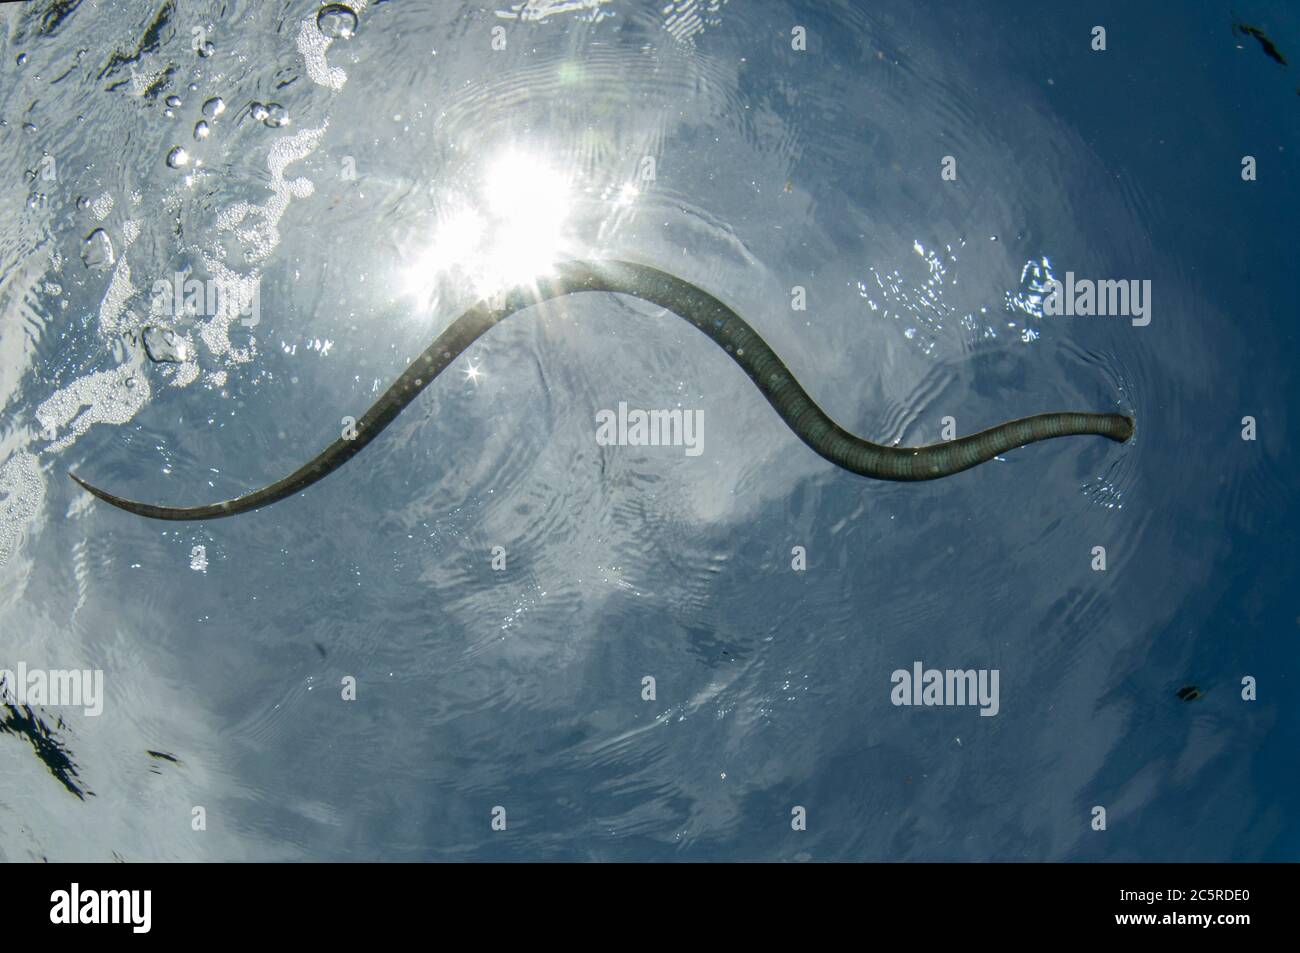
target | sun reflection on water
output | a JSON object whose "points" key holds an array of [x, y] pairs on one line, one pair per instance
{"points": [[511, 231]]}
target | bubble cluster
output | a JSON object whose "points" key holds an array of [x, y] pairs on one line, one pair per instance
{"points": [[22, 490]]}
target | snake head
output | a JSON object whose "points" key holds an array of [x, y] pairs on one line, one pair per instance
{"points": [[1124, 428]]}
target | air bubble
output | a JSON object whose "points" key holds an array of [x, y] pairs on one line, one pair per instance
{"points": [[164, 345], [214, 107], [178, 157], [270, 114], [201, 130], [97, 250], [336, 21], [173, 101], [276, 116]]}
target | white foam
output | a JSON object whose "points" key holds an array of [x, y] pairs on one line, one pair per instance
{"points": [[109, 397], [115, 396], [113, 306], [22, 490], [142, 81], [186, 374], [102, 206], [312, 44]]}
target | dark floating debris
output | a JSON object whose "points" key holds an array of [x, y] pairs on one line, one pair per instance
{"points": [[24, 723], [164, 346], [161, 756], [1271, 51], [154, 35], [1189, 693]]}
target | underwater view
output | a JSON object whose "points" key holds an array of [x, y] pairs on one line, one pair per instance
{"points": [[690, 430]]}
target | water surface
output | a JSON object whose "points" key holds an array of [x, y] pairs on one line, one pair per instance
{"points": [[371, 169]]}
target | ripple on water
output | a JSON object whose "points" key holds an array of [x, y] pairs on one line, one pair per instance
{"points": [[477, 680]]}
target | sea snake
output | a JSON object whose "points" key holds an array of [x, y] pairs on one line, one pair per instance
{"points": [[726, 328]]}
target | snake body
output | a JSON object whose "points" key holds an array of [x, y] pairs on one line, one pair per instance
{"points": [[720, 323]]}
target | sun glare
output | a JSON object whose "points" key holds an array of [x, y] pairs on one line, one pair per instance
{"points": [[511, 231]]}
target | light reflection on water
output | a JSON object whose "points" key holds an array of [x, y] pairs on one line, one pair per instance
{"points": [[409, 166]]}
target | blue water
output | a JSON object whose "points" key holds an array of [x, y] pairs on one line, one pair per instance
{"points": [[371, 186]]}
